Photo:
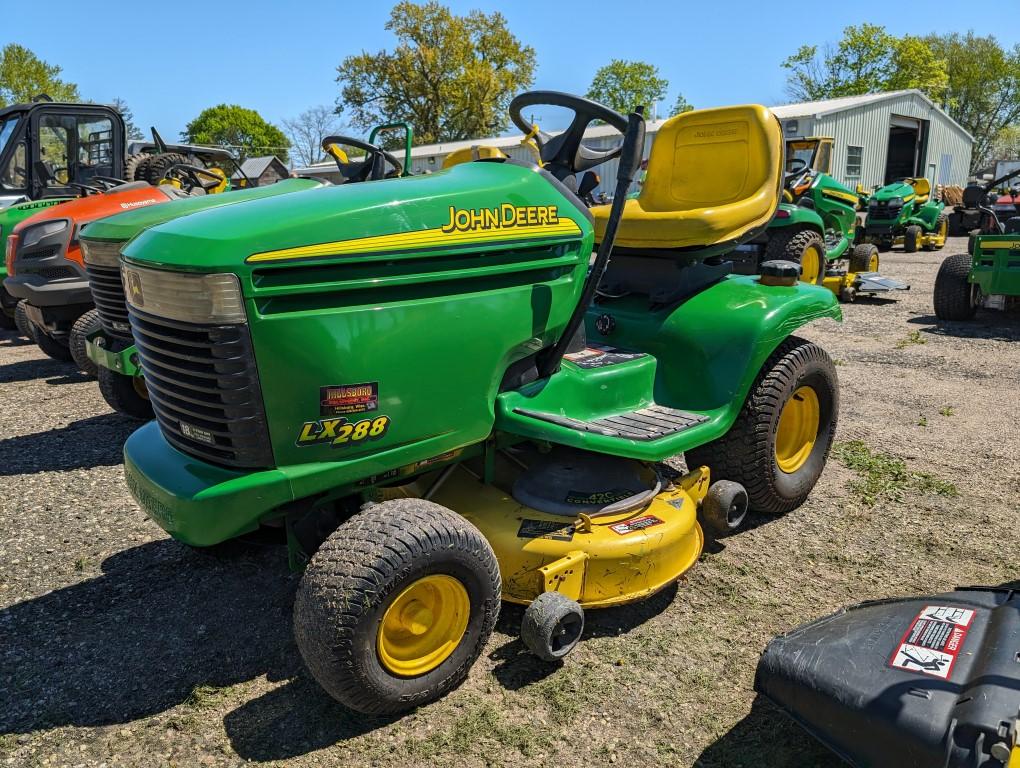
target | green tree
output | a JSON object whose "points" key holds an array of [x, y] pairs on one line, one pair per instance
{"points": [[23, 76], [134, 133], [867, 59], [680, 106], [1006, 145], [451, 77], [237, 128], [623, 85], [307, 130], [983, 93]]}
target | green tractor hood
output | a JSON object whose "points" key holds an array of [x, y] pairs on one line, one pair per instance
{"points": [[897, 189], [423, 213], [122, 227]]}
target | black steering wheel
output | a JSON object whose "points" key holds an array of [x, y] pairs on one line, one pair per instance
{"points": [[108, 182], [372, 168], [797, 168], [193, 175], [565, 154], [87, 189]]}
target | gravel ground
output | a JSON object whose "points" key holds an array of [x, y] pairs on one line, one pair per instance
{"points": [[119, 646]]}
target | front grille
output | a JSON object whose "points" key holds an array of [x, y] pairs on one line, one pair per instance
{"points": [[882, 211], [108, 296], [204, 389], [54, 273]]}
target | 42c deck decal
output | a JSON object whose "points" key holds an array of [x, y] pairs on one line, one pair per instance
{"points": [[340, 432]]}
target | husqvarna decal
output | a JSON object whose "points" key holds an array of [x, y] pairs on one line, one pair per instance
{"points": [[504, 224], [340, 432]]}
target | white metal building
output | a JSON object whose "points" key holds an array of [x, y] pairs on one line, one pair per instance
{"points": [[879, 137]]}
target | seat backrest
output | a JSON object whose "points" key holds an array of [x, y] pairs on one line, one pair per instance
{"points": [[715, 157], [922, 188], [469, 154]]}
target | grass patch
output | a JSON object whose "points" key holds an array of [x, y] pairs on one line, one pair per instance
{"points": [[885, 477], [914, 337], [482, 726], [922, 421], [574, 689], [8, 743], [81, 564], [204, 697], [946, 410]]}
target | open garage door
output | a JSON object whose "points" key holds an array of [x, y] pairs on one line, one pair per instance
{"points": [[908, 143]]}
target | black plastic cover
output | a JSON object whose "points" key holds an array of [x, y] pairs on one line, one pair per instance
{"points": [[913, 683]]}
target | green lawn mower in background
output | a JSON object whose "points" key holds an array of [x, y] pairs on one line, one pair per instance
{"points": [[816, 227], [111, 347], [431, 392], [905, 213], [988, 277]]}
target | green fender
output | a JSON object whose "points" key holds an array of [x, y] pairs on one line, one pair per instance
{"points": [[927, 215], [790, 215], [707, 353]]}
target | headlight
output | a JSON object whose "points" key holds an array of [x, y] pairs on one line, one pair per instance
{"points": [[101, 253], [873, 203], [895, 202], [32, 235], [189, 298]]}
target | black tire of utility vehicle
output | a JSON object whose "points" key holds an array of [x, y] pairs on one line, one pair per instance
{"points": [[790, 246], [131, 166], [123, 394], [861, 256], [7, 321], [21, 321], [354, 577], [1012, 225], [76, 341], [747, 453], [954, 295], [911, 238], [58, 350], [153, 168]]}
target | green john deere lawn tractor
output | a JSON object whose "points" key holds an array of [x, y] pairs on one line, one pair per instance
{"points": [[816, 227], [111, 347], [905, 213], [428, 389]]}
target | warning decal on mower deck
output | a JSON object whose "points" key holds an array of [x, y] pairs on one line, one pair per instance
{"points": [[933, 641], [637, 524]]}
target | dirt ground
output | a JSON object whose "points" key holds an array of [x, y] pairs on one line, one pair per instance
{"points": [[120, 647]]}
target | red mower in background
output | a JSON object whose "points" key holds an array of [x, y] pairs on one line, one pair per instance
{"points": [[45, 268]]}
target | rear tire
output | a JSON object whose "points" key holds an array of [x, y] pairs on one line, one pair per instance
{"points": [[343, 624], [954, 295], [7, 321], [1012, 225], [911, 237], [21, 321], [124, 394], [153, 168], [793, 246], [864, 258], [58, 350], [76, 342], [748, 453], [131, 166]]}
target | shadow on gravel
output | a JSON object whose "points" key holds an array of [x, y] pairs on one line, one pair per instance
{"points": [[135, 641], [93, 442], [13, 339], [517, 668], [766, 736], [997, 326], [54, 371]]}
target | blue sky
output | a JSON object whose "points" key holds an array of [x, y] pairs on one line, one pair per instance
{"points": [[280, 58]]}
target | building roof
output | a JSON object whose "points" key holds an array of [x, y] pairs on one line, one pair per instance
{"points": [[254, 167], [824, 107]]}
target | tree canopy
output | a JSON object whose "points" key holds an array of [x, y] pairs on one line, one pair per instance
{"points": [[680, 106], [624, 85], [23, 76], [974, 79], [132, 131], [237, 128], [451, 77], [307, 130]]}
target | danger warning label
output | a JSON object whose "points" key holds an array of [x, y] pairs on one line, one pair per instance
{"points": [[933, 641], [637, 524]]}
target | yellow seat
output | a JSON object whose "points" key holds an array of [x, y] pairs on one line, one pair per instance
{"points": [[470, 154], [714, 177], [922, 189]]}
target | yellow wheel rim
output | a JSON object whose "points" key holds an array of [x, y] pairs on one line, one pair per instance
{"points": [[798, 430], [423, 625], [873, 262], [811, 264], [139, 385]]}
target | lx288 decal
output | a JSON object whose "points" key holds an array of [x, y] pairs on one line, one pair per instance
{"points": [[340, 431]]}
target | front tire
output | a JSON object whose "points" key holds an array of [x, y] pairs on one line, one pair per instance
{"points": [[76, 342], [21, 321], [778, 446], [864, 258], [57, 350], [396, 606], [127, 395], [911, 237], [804, 247], [954, 295]]}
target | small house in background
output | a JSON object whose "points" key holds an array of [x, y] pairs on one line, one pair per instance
{"points": [[261, 171]]}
